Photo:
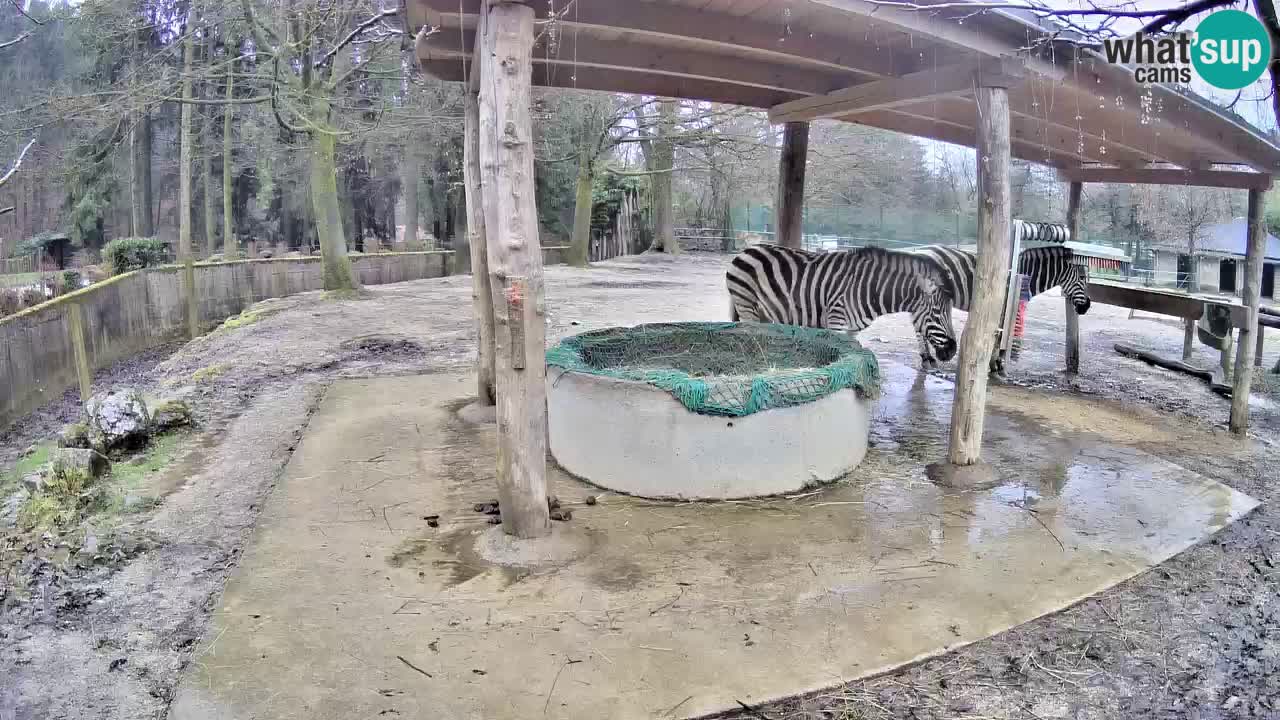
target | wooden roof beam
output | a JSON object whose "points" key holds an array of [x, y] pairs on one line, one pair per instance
{"points": [[1232, 179], [449, 69], [956, 134], [766, 42], [894, 92], [1134, 148], [635, 56], [877, 95], [934, 27], [1233, 138]]}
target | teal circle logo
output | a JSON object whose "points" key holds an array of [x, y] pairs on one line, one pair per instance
{"points": [[1232, 49]]}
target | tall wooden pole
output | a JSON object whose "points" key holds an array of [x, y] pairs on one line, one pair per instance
{"points": [[185, 139], [969, 408], [1073, 318], [1252, 296], [481, 297], [515, 266], [791, 166]]}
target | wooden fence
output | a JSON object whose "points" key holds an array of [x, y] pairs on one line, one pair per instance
{"points": [[25, 264]]}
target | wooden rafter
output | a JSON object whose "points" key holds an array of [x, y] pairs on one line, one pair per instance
{"points": [[762, 40], [878, 95], [632, 55], [1169, 176]]}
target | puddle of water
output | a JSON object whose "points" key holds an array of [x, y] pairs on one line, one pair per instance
{"points": [[452, 558]]}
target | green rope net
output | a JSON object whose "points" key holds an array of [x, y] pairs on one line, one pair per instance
{"points": [[725, 369]]}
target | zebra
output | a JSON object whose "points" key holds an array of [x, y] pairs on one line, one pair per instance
{"points": [[843, 290], [1046, 267]]}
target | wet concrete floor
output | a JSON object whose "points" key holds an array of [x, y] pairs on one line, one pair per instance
{"points": [[348, 605]]}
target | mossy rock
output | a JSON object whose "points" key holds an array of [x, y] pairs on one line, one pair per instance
{"points": [[75, 435], [168, 414]]}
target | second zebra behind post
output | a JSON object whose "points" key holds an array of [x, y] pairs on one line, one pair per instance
{"points": [[844, 290], [1046, 267]]}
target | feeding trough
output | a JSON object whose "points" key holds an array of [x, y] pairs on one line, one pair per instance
{"points": [[709, 410]]}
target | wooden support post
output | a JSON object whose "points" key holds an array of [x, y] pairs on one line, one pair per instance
{"points": [[79, 344], [1257, 348], [515, 266], [1225, 355], [1188, 338], [192, 297], [481, 296], [791, 166], [1073, 318], [969, 408], [1252, 297]]}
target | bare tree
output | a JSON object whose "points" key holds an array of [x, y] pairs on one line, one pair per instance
{"points": [[314, 54]]}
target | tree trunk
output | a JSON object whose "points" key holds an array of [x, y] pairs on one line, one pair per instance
{"points": [[1251, 296], [230, 248], [580, 244], [515, 267], [337, 270], [184, 183], [993, 156], [1073, 318], [140, 187], [410, 171], [663, 150], [481, 295], [210, 217], [791, 167]]}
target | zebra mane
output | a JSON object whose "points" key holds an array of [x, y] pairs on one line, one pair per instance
{"points": [[922, 264], [1050, 251]]}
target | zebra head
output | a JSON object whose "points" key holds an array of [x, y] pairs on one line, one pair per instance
{"points": [[1053, 266], [931, 315], [1075, 287]]}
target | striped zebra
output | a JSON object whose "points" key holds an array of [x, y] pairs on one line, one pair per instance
{"points": [[1046, 267], [843, 290]]}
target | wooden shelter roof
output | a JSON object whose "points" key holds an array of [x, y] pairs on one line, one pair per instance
{"points": [[887, 67]]}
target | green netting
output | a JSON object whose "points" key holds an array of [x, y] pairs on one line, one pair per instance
{"points": [[726, 369]]}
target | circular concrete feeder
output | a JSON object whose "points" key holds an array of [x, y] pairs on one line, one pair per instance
{"points": [[657, 420]]}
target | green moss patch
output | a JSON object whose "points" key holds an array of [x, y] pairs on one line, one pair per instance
{"points": [[248, 317], [210, 372]]}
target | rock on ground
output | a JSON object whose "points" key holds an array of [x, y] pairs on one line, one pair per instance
{"points": [[117, 418], [168, 414], [74, 435], [91, 463]]}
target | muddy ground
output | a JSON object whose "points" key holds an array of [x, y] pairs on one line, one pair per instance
{"points": [[1198, 637]]}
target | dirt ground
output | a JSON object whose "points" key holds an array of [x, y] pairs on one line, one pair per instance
{"points": [[1198, 637]]}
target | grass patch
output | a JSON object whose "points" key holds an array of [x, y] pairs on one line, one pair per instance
{"points": [[9, 480], [157, 456], [248, 317], [20, 279], [63, 502], [210, 372], [69, 499], [32, 462]]}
